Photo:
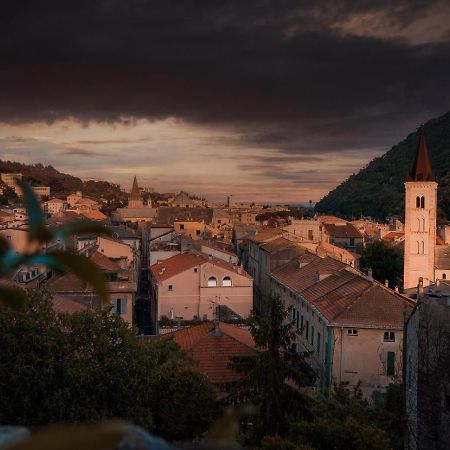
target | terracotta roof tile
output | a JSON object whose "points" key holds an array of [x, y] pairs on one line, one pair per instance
{"points": [[103, 262], [346, 230], [276, 244], [176, 264]]}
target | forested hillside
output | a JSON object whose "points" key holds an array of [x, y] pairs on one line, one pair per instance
{"points": [[378, 190], [62, 184]]}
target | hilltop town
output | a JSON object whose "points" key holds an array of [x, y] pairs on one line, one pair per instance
{"points": [[184, 267]]}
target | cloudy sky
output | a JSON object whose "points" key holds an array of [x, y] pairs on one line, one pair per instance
{"points": [[265, 100]]}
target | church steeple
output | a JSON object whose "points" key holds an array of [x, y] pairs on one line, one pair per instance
{"points": [[422, 170], [135, 195]]}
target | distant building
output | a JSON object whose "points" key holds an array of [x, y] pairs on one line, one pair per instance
{"points": [[191, 228], [41, 191], [343, 235], [190, 287], [54, 206], [10, 179], [182, 200], [136, 211]]}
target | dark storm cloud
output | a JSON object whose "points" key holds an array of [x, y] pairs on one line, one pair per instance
{"points": [[301, 77]]}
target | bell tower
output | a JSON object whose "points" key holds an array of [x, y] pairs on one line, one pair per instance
{"points": [[135, 199], [420, 219]]}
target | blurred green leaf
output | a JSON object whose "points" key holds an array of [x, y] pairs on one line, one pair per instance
{"points": [[84, 268], [74, 438], [12, 296], [4, 246], [35, 215], [81, 226]]}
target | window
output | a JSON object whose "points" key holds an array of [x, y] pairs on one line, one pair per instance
{"points": [[312, 335], [298, 320], [119, 306], [418, 247], [181, 226], [307, 330], [352, 332], [422, 202], [417, 202], [389, 336], [227, 282], [301, 324], [310, 235], [212, 282], [444, 276], [195, 269], [318, 343], [293, 315], [170, 287], [352, 242], [422, 247], [198, 232], [390, 364]]}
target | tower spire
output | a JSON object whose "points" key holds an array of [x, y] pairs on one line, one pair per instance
{"points": [[422, 170], [135, 195]]}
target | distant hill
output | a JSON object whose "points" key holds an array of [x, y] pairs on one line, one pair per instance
{"points": [[377, 190], [62, 184]]}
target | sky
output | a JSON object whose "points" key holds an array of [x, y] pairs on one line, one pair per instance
{"points": [[265, 100]]}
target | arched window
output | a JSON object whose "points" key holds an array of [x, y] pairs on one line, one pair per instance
{"points": [[422, 202], [212, 282], [423, 224], [423, 247], [417, 202], [418, 225], [444, 276], [418, 247], [227, 282]]}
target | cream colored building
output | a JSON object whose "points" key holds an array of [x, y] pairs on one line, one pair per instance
{"points": [[351, 325], [54, 206], [420, 220], [191, 228], [191, 286]]}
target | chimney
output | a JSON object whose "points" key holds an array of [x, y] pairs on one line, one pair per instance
{"points": [[369, 272], [420, 289], [438, 282], [239, 269], [386, 283], [210, 257], [396, 289]]}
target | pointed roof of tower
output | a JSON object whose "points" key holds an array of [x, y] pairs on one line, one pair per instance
{"points": [[422, 170], [135, 195]]}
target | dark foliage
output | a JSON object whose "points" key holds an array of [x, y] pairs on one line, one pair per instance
{"points": [[386, 262], [89, 367], [377, 190]]}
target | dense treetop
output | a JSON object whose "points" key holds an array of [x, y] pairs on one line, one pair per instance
{"points": [[377, 190]]}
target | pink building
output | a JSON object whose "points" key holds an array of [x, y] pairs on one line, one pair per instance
{"points": [[191, 286]]}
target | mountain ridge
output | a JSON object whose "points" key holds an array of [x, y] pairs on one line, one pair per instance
{"points": [[377, 190]]}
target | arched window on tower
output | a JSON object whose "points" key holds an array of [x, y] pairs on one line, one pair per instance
{"points": [[417, 202], [423, 224], [418, 247], [422, 202], [422, 247], [419, 225], [444, 276]]}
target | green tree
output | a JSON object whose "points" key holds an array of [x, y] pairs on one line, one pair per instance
{"points": [[386, 262], [324, 434], [89, 367], [271, 379], [185, 399]]}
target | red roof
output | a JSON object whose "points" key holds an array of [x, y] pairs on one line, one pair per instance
{"points": [[64, 305], [212, 349], [346, 230]]}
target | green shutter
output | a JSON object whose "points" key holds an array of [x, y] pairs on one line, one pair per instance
{"points": [[391, 363], [318, 343]]}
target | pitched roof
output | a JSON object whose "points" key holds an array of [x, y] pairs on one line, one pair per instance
{"points": [[335, 251], [442, 257], [212, 349], [266, 235], [345, 230], [346, 297], [176, 264], [94, 215], [331, 219], [104, 263], [65, 305], [422, 170], [277, 244]]}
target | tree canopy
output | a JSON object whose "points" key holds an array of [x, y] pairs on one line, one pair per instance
{"points": [[89, 367]]}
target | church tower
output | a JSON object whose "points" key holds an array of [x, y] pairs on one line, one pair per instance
{"points": [[135, 199], [420, 219]]}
